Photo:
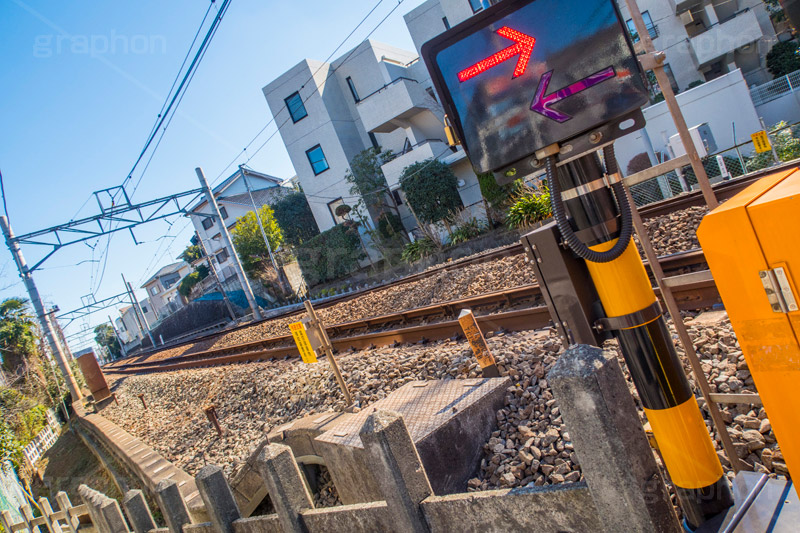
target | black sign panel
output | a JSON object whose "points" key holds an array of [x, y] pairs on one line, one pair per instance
{"points": [[525, 74]]}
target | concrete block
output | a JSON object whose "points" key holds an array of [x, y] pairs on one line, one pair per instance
{"points": [[258, 524], [138, 512], [615, 456], [448, 420], [286, 486], [217, 497], [92, 499], [172, 505], [562, 508], [358, 518], [398, 470]]}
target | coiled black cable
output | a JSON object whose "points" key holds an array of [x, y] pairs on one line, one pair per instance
{"points": [[575, 244]]}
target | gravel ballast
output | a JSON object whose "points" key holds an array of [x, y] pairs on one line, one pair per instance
{"points": [[530, 445]]}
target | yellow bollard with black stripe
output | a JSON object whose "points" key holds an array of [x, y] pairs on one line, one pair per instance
{"points": [[634, 317]]}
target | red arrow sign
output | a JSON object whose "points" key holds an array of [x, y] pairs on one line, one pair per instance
{"points": [[541, 103], [523, 46]]}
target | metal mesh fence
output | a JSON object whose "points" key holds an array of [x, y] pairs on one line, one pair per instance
{"points": [[732, 163], [761, 94]]}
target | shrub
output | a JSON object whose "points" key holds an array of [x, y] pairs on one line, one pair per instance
{"points": [[467, 231], [495, 194], [330, 255], [783, 58], [431, 189], [295, 218], [414, 251], [530, 206]]}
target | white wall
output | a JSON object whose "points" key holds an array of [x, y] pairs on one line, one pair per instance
{"points": [[786, 107], [720, 102]]}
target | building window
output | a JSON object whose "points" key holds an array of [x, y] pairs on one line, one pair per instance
{"points": [[446, 23], [207, 223], [353, 89], [296, 108], [317, 159], [223, 212], [154, 290], [222, 256], [374, 141], [144, 310], [652, 29], [332, 207], [397, 198], [476, 5]]}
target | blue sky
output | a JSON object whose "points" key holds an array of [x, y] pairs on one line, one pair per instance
{"points": [[81, 83]]}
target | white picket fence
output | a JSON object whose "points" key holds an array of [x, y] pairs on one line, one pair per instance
{"points": [[43, 441]]}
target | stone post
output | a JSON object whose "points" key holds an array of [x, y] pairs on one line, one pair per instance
{"points": [[52, 525], [397, 469], [113, 516], [91, 498], [614, 454], [138, 512], [218, 498], [174, 509], [65, 505], [285, 485]]}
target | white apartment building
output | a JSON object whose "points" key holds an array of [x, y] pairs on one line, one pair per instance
{"points": [[374, 95], [705, 39], [162, 289], [234, 201], [127, 326], [702, 39]]}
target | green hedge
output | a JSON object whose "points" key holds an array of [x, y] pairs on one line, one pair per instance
{"points": [[330, 255]]}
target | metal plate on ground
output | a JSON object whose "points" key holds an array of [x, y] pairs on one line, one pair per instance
{"points": [[425, 408]]}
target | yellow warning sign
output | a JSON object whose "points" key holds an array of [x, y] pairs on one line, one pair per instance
{"points": [[761, 141], [301, 340], [475, 338]]}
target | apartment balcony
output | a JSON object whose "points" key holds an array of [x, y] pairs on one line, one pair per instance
{"points": [[389, 107], [726, 36], [425, 150]]}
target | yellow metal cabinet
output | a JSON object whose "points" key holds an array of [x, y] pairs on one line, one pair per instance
{"points": [[752, 244]]}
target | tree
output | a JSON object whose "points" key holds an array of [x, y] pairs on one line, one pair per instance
{"points": [[367, 180], [249, 242], [295, 219], [104, 336], [431, 189], [639, 162], [18, 338], [192, 253], [187, 283], [783, 58]]}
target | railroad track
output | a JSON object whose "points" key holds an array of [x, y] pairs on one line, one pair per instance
{"points": [[724, 190], [495, 311]]}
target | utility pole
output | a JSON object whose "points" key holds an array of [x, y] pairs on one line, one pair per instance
{"points": [[51, 315], [116, 334], [137, 311], [36, 300], [226, 239], [263, 232], [653, 60], [213, 269]]}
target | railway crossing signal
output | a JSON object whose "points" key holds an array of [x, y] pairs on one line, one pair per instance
{"points": [[570, 68], [575, 87]]}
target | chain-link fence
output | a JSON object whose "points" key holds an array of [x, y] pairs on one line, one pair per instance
{"points": [[732, 163]]}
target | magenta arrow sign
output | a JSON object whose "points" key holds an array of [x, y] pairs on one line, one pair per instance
{"points": [[541, 103]]}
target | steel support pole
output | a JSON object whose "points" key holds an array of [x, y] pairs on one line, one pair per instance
{"points": [[226, 238], [328, 349], [36, 301], [278, 272], [672, 104], [683, 334], [213, 270], [137, 311]]}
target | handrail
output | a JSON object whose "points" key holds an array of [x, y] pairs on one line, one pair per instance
{"points": [[385, 86]]}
